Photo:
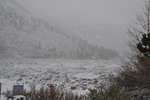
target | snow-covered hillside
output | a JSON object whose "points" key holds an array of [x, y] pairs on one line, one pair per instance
{"points": [[30, 48], [72, 75], [12, 5], [22, 34]]}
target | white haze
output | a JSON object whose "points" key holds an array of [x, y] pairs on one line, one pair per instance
{"points": [[101, 22]]}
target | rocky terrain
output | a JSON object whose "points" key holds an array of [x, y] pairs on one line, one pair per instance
{"points": [[72, 75]]}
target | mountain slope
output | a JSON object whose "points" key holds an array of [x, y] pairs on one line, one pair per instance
{"points": [[21, 34], [16, 7]]}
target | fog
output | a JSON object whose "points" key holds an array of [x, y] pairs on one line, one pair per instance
{"points": [[101, 22]]}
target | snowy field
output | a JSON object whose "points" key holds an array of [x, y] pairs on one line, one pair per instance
{"points": [[73, 75]]}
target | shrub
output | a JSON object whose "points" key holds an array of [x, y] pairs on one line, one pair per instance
{"points": [[112, 92], [135, 78], [50, 93]]}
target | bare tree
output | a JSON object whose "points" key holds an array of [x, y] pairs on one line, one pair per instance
{"points": [[135, 76], [141, 27]]}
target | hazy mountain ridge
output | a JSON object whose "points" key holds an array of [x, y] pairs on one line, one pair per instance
{"points": [[24, 35], [11, 5]]}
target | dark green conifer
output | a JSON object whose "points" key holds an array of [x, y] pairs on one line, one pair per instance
{"points": [[144, 45]]}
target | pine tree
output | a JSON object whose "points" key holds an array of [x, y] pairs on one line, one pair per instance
{"points": [[144, 45]]}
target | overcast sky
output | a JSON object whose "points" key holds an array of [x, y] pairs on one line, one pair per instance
{"points": [[108, 10], [115, 13]]}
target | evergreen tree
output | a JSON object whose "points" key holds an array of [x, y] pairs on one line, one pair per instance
{"points": [[144, 45]]}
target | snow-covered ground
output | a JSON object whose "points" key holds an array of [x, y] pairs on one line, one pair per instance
{"points": [[74, 75]]}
